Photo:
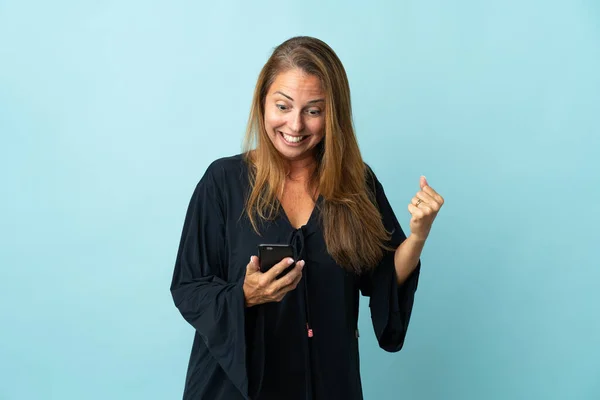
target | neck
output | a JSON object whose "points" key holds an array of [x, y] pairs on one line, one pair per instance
{"points": [[301, 169]]}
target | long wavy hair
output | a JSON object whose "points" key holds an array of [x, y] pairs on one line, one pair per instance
{"points": [[353, 230]]}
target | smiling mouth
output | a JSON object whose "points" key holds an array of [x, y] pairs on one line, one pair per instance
{"points": [[292, 139]]}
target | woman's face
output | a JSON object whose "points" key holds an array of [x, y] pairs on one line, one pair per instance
{"points": [[295, 114]]}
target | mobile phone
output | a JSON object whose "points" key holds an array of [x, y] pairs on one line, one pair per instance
{"points": [[271, 254]]}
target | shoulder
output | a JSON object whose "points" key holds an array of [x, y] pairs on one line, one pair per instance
{"points": [[226, 165], [222, 180], [223, 170]]}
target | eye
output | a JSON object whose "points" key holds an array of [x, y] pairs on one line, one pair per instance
{"points": [[314, 112], [281, 107]]}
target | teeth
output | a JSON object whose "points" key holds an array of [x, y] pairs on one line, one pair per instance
{"points": [[292, 139]]}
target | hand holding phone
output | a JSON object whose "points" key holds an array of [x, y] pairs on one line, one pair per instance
{"points": [[278, 279]]}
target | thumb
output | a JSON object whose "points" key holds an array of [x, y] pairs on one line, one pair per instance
{"points": [[253, 266], [423, 182]]}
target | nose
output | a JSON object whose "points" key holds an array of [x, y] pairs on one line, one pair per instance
{"points": [[296, 122]]}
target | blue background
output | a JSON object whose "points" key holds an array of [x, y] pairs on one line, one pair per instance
{"points": [[111, 111]]}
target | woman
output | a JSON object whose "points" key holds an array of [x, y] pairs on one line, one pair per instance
{"points": [[301, 180]]}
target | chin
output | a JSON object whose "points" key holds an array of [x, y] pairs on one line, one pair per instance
{"points": [[292, 154]]}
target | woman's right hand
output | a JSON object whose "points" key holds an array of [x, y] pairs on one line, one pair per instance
{"points": [[262, 287]]}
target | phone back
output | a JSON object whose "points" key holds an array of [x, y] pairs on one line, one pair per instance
{"points": [[271, 254]]}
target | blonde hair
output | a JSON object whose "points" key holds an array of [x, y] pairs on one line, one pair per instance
{"points": [[353, 230]]}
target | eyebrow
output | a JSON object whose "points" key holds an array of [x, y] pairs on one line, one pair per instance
{"points": [[310, 102]]}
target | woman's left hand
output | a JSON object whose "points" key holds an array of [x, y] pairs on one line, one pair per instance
{"points": [[424, 207]]}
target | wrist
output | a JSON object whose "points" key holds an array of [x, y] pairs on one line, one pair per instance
{"points": [[416, 239]]}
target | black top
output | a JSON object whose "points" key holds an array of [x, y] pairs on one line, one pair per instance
{"points": [[264, 352]]}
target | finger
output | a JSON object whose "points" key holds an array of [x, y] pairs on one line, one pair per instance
{"points": [[281, 291], [286, 282], [416, 212], [426, 208], [296, 281], [423, 181], [298, 277], [277, 298], [425, 198], [420, 204], [435, 195], [253, 266], [278, 268]]}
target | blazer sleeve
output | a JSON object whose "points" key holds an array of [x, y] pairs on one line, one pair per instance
{"points": [[390, 304], [206, 299]]}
